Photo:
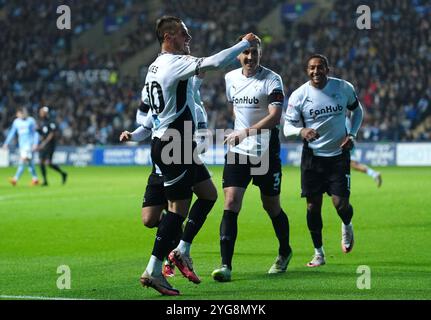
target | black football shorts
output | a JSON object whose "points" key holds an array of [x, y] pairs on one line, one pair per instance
{"points": [[179, 178], [239, 174], [325, 174]]}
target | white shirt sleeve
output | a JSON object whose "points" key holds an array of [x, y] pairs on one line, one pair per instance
{"points": [[228, 88], [188, 66], [292, 120], [275, 91], [352, 98], [141, 133], [356, 120]]}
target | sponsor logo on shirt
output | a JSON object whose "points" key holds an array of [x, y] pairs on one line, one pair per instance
{"points": [[246, 100], [326, 110]]}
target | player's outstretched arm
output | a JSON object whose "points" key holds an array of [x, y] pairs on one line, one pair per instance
{"points": [[125, 136], [224, 57]]}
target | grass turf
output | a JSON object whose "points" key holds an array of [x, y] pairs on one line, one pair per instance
{"points": [[93, 225]]}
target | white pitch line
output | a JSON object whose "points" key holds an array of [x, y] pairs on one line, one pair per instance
{"points": [[39, 298]]}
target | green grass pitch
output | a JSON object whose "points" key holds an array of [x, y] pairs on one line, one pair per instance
{"points": [[93, 225]]}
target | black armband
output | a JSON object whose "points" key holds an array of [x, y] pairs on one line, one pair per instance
{"points": [[276, 96], [354, 105]]}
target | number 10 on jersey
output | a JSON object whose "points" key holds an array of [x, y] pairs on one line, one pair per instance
{"points": [[157, 104]]}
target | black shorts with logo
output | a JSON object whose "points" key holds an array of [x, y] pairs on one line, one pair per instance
{"points": [[325, 174], [179, 176], [239, 175]]}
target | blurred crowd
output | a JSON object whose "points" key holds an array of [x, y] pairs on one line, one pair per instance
{"points": [[36, 53], [387, 64]]}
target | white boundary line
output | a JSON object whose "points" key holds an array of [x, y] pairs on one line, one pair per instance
{"points": [[39, 298]]}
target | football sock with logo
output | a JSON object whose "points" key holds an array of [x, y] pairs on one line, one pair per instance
{"points": [[167, 231], [315, 225], [228, 233], [346, 214], [281, 228], [176, 241], [197, 216]]}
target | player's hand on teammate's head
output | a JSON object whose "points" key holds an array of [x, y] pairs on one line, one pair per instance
{"points": [[309, 134], [251, 37], [125, 136]]}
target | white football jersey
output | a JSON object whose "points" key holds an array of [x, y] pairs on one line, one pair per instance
{"points": [[168, 90], [324, 110], [201, 114], [147, 120], [250, 97]]}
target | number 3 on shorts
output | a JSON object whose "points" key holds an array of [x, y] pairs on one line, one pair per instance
{"points": [[277, 180]]}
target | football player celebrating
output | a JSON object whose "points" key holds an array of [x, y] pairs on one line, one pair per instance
{"points": [[168, 93], [155, 204], [256, 94], [317, 112]]}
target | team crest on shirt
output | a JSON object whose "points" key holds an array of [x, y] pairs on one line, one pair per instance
{"points": [[257, 88], [336, 96]]}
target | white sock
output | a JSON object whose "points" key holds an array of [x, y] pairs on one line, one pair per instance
{"points": [[371, 172], [154, 267], [184, 247], [319, 252]]}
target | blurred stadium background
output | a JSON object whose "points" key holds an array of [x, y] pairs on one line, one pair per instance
{"points": [[92, 76]]}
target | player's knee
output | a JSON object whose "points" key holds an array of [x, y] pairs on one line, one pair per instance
{"points": [[273, 209], [313, 208], [211, 194], [206, 191], [149, 218], [232, 203], [342, 206]]}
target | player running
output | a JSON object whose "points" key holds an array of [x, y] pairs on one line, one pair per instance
{"points": [[25, 127], [155, 204], [317, 111], [256, 94]]}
